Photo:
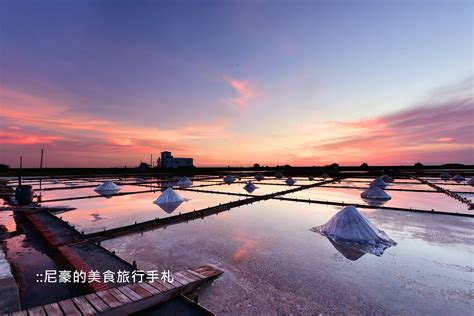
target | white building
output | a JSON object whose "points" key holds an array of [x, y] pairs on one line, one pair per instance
{"points": [[168, 161]]}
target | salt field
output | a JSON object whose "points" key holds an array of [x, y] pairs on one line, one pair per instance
{"points": [[274, 264], [272, 260]]}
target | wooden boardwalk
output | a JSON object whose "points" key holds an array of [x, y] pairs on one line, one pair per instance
{"points": [[454, 195], [129, 298], [73, 252], [36, 209]]}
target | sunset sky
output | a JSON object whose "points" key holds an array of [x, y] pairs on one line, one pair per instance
{"points": [[107, 83]]}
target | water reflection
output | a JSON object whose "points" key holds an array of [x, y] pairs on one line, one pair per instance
{"points": [[97, 217], [108, 194], [350, 252], [375, 202], [167, 184], [169, 207], [126, 209]]}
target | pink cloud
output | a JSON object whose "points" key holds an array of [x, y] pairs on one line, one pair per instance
{"points": [[402, 137], [53, 125], [246, 91], [26, 139], [444, 139]]}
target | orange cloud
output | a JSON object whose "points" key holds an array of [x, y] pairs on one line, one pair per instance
{"points": [[54, 123], [246, 248], [403, 137]]}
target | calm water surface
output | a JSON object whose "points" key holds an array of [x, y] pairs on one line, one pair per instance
{"points": [[104, 213], [420, 200], [274, 264]]}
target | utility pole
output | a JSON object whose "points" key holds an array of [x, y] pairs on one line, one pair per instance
{"points": [[21, 166], [41, 167], [41, 161]]}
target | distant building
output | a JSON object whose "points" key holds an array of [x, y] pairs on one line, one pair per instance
{"points": [[168, 161]]}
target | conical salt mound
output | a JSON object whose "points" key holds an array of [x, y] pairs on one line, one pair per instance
{"points": [[471, 181], [386, 178], [311, 178], [290, 181], [379, 183], [185, 182], [259, 177], [350, 226], [169, 196], [324, 176], [279, 175], [458, 178], [107, 186], [250, 187], [229, 179], [375, 193], [445, 176]]}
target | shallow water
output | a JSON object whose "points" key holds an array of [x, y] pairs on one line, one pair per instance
{"points": [[102, 213], [261, 189], [7, 220], [419, 200], [274, 264]]}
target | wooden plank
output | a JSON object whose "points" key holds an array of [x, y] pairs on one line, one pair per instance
{"points": [[169, 286], [208, 271], [183, 276], [140, 290], [129, 293], [36, 311], [149, 288], [119, 296], [69, 308], [53, 309], [191, 276], [84, 305], [129, 298], [108, 298], [180, 279], [159, 286], [97, 302], [200, 270], [196, 274]]}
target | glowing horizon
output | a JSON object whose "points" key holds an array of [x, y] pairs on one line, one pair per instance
{"points": [[236, 84]]}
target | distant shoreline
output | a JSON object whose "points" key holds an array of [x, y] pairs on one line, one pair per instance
{"points": [[293, 171]]}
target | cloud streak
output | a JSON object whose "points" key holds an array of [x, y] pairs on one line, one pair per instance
{"points": [[246, 92], [438, 132], [52, 124]]}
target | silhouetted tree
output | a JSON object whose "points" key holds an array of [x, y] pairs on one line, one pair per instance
{"points": [[419, 165], [256, 166], [364, 165], [144, 165]]}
